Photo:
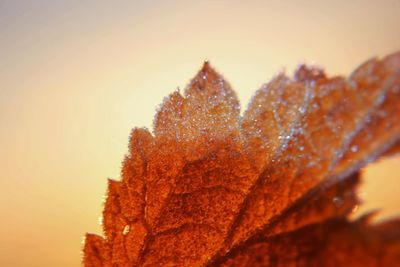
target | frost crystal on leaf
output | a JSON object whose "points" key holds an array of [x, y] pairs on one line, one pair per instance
{"points": [[272, 188]]}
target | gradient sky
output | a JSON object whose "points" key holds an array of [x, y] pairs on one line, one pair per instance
{"points": [[76, 76]]}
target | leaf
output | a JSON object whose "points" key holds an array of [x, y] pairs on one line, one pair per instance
{"points": [[272, 188], [336, 242]]}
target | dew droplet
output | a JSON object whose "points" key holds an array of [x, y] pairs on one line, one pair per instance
{"points": [[126, 230], [354, 148]]}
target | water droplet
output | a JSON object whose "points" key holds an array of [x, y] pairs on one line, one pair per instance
{"points": [[126, 230], [302, 110], [354, 148]]}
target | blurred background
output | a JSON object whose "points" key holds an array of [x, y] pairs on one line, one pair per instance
{"points": [[76, 76]]}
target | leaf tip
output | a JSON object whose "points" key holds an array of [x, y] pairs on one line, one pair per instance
{"points": [[206, 63]]}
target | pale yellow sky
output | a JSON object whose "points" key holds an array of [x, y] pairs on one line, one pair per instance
{"points": [[76, 76]]}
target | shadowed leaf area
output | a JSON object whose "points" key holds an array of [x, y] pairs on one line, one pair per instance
{"points": [[273, 187]]}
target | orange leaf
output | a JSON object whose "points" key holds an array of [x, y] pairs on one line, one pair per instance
{"points": [[213, 188]]}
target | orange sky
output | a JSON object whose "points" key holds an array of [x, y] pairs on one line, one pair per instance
{"points": [[76, 76]]}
